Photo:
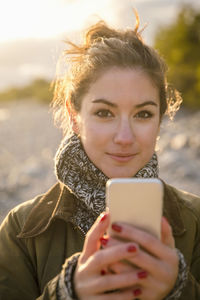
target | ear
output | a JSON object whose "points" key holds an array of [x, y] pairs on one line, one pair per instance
{"points": [[72, 116], [74, 121]]}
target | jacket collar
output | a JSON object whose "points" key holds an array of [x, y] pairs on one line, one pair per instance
{"points": [[59, 203], [56, 203]]}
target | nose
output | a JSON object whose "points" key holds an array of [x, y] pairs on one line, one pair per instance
{"points": [[124, 134]]}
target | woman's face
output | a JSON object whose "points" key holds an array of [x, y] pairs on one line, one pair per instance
{"points": [[119, 121]]}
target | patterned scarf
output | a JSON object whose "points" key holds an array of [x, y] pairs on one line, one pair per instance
{"points": [[86, 181]]}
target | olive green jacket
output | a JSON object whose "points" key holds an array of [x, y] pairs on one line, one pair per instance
{"points": [[38, 236]]}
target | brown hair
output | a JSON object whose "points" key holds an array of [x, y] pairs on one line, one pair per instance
{"points": [[104, 47]]}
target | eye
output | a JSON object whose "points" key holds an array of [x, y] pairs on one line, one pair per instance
{"points": [[144, 114], [104, 113]]}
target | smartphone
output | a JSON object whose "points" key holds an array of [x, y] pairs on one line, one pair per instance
{"points": [[136, 201]]}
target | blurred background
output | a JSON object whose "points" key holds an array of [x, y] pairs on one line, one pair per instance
{"points": [[32, 35]]}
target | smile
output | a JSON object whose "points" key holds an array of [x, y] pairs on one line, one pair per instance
{"points": [[121, 157]]}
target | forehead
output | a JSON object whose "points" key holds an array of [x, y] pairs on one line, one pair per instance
{"points": [[116, 84]]}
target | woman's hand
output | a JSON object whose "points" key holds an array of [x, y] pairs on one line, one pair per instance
{"points": [[92, 280], [152, 269], [158, 261]]}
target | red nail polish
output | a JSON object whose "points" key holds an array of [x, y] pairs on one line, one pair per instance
{"points": [[137, 292], [103, 272], [131, 248], [116, 228], [103, 241], [103, 217], [142, 274]]}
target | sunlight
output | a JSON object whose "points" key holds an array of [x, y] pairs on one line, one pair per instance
{"points": [[46, 18], [36, 19]]}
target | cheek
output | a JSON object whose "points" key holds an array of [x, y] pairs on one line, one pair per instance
{"points": [[147, 135], [95, 131], [93, 136]]}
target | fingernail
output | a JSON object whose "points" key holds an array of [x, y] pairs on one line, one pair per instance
{"points": [[116, 227], [137, 292], [142, 274], [131, 248], [103, 272], [103, 241], [103, 217]]}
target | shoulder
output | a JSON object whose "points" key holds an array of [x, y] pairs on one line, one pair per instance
{"points": [[185, 223], [19, 215], [183, 209], [186, 200]]}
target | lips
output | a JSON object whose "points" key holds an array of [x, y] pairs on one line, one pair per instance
{"points": [[122, 157]]}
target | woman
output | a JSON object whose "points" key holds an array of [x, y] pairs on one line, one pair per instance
{"points": [[111, 104]]}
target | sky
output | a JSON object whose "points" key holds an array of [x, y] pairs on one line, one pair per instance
{"points": [[32, 31], [43, 18], [46, 18]]}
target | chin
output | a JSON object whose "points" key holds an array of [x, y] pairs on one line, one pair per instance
{"points": [[121, 174]]}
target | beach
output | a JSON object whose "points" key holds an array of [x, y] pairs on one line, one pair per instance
{"points": [[29, 141]]}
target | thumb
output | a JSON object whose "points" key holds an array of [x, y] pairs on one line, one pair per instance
{"points": [[92, 241], [166, 233]]}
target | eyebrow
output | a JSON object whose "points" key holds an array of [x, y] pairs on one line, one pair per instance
{"points": [[104, 101], [147, 103]]}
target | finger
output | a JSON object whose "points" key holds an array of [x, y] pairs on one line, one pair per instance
{"points": [[118, 267], [112, 282], [146, 261], [92, 241], [166, 233], [128, 294], [104, 258], [161, 270], [146, 240], [107, 241], [142, 260], [121, 267]]}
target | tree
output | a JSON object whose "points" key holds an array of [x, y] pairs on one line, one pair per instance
{"points": [[179, 43]]}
